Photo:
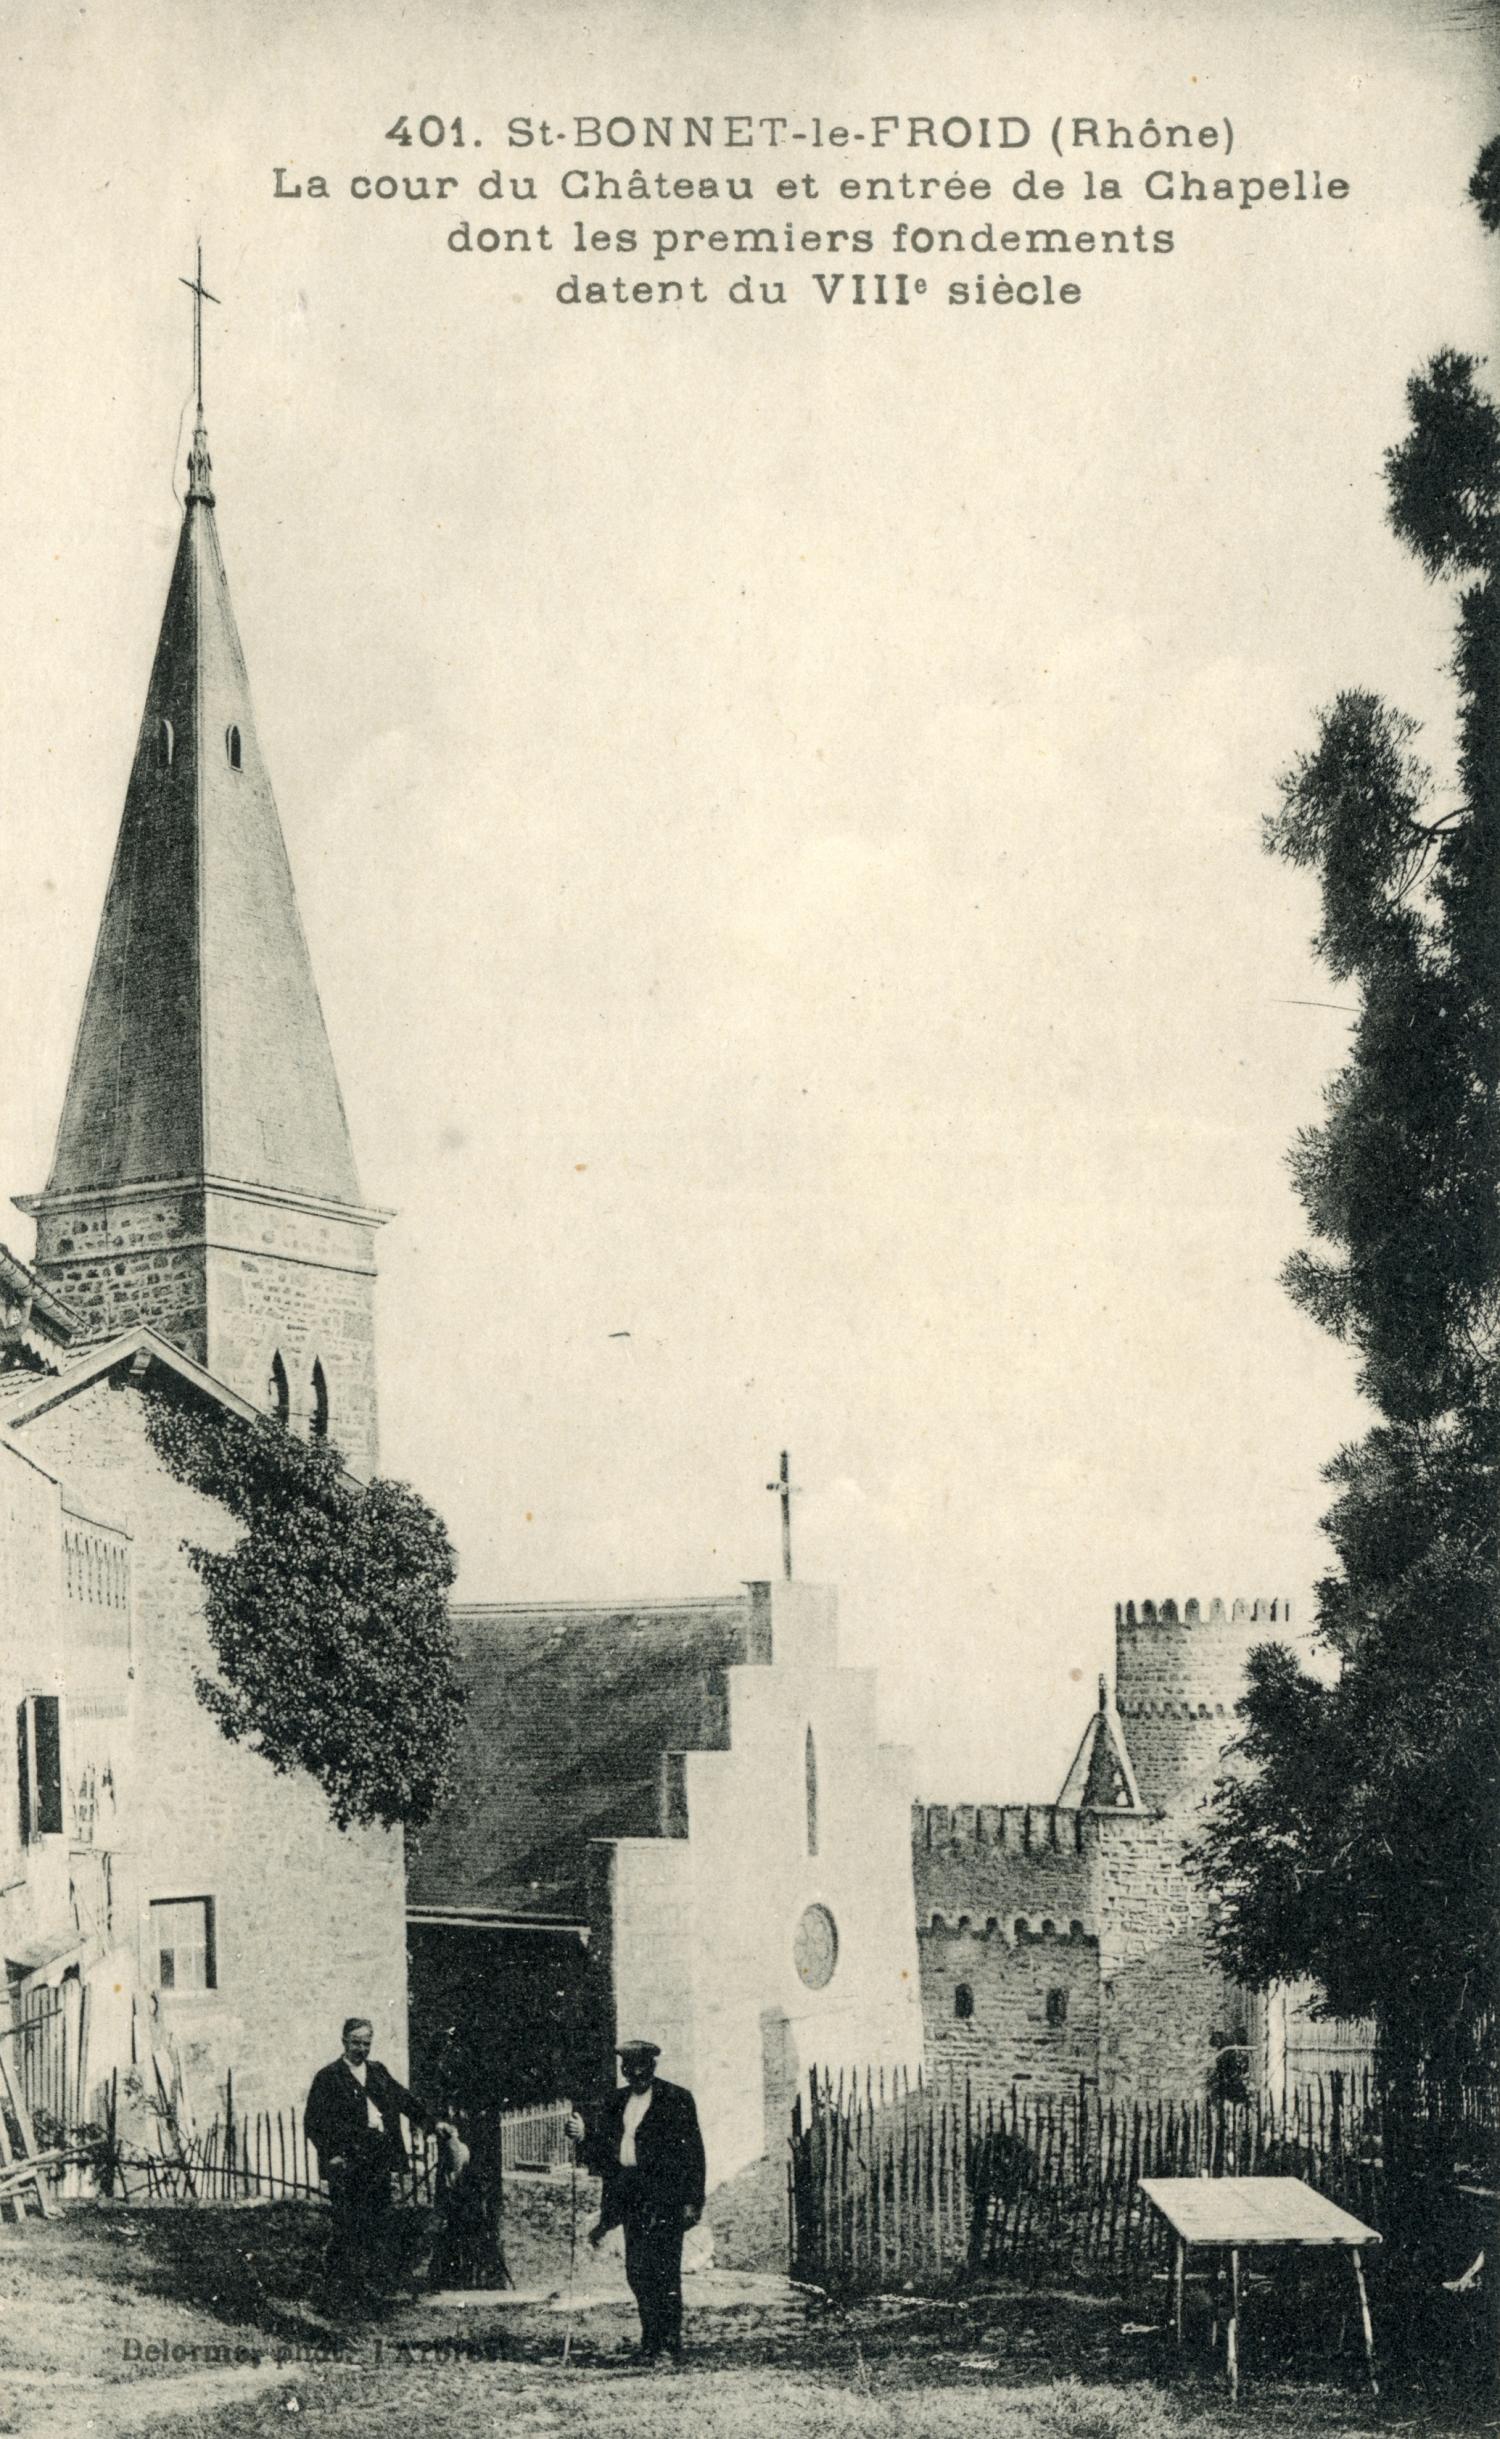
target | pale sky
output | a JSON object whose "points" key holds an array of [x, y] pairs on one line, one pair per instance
{"points": [[774, 793]]}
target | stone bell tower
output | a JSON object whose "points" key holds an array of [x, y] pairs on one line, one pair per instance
{"points": [[204, 1179]]}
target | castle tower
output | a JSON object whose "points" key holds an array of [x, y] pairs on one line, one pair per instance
{"points": [[204, 1180], [1177, 1680]]}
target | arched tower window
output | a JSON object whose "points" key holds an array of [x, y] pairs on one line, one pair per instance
{"points": [[318, 1424], [166, 744], [232, 747], [963, 2002], [810, 1767], [278, 1392]]}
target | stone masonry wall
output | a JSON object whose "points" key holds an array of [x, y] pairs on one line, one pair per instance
{"points": [[233, 1279], [309, 1922], [1165, 2005], [1000, 1861], [260, 1306], [1099, 1905], [1032, 2008], [128, 1259], [33, 1872], [1167, 2009], [1148, 2009], [1005, 1910], [1178, 1676]]}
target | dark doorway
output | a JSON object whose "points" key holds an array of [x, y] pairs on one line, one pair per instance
{"points": [[501, 2018]]}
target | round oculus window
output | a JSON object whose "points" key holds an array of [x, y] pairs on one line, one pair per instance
{"points": [[815, 1948]]}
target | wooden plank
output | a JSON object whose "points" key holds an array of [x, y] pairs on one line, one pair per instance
{"points": [[1040, 2193], [85, 2035], [27, 2172], [7, 2103], [939, 2182], [1248, 2211], [15, 2102], [1115, 2180]]}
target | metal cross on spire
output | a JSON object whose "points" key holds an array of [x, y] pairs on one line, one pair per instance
{"points": [[201, 295], [787, 1491]]}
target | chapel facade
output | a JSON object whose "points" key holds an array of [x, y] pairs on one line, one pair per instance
{"points": [[674, 1821]]}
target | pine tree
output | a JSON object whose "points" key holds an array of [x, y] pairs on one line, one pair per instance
{"points": [[1361, 1846]]}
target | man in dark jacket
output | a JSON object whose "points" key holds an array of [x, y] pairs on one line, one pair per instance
{"points": [[353, 2118], [646, 2147]]}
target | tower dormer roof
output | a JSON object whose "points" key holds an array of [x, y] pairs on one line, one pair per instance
{"points": [[1101, 1778]]}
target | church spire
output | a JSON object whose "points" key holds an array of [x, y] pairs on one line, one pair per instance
{"points": [[202, 1109]]}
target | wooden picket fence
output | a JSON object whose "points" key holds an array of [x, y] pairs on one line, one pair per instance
{"points": [[921, 2184], [39, 2056], [265, 2154]]}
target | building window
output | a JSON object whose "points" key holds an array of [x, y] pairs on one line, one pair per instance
{"points": [[815, 1948], [1057, 2007], [182, 1940], [963, 2002], [39, 1766], [810, 1772], [319, 1403], [232, 747], [166, 744], [278, 1394]]}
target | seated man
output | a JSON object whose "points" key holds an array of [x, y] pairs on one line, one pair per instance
{"points": [[353, 2119], [646, 2146]]}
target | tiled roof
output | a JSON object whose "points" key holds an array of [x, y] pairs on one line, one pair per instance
{"points": [[570, 1710]]}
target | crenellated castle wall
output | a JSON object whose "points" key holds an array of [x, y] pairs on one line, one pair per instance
{"points": [[1008, 1942], [1178, 1675], [1060, 1941]]}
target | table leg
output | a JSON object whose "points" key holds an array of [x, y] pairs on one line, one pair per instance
{"points": [[1364, 2319], [1179, 2280], [1232, 2351], [1213, 2333]]}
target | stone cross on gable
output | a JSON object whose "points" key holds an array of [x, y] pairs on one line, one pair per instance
{"points": [[786, 1491]]}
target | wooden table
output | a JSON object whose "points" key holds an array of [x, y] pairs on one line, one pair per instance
{"points": [[1241, 2214]]}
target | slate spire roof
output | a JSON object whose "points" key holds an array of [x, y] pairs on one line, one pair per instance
{"points": [[1102, 1778], [202, 1050]]}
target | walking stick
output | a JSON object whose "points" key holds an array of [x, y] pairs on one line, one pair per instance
{"points": [[572, 2251]]}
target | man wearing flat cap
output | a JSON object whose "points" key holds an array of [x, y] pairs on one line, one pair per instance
{"points": [[645, 2145]]}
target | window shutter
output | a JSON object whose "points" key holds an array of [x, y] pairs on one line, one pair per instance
{"points": [[49, 1790]]}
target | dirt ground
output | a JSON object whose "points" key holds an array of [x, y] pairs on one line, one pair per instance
{"points": [[178, 2324]]}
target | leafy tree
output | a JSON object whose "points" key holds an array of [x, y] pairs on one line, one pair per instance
{"points": [[328, 1618], [1362, 1844]]}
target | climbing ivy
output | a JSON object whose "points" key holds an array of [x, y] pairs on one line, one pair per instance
{"points": [[328, 1617]]}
